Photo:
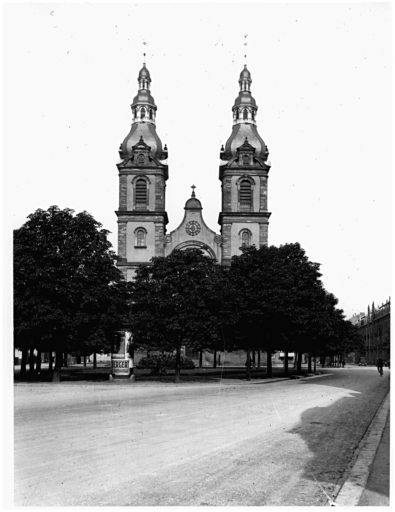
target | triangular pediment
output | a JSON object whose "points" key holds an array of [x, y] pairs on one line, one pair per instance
{"points": [[246, 147], [141, 146]]}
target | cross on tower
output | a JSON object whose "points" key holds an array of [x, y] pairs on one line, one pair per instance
{"points": [[193, 191]]}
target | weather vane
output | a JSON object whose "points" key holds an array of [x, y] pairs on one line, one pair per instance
{"points": [[193, 191], [144, 43]]}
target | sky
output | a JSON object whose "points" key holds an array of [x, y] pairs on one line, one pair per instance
{"points": [[321, 77]]}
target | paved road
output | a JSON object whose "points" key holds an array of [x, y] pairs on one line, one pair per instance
{"points": [[283, 443]]}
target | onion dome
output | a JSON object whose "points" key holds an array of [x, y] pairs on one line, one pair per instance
{"points": [[144, 73], [144, 114], [244, 122], [245, 74]]}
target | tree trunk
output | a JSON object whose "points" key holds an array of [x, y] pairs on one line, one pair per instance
{"points": [[31, 361], [286, 362], [315, 364], [65, 359], [269, 370], [219, 359], [38, 363], [322, 362], [259, 359], [253, 359], [50, 363], [94, 360], [85, 360], [215, 359], [248, 365], [295, 359], [24, 361], [177, 372], [299, 365], [58, 366], [309, 364], [200, 359]]}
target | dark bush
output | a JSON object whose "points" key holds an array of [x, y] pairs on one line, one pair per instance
{"points": [[158, 364]]}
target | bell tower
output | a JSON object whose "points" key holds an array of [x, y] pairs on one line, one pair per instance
{"points": [[243, 172], [143, 172]]}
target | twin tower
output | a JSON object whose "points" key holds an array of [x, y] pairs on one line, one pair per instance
{"points": [[143, 172]]}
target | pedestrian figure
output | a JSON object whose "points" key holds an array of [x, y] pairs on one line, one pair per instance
{"points": [[379, 364]]}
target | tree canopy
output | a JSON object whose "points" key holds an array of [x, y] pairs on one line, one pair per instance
{"points": [[68, 293], [181, 299]]}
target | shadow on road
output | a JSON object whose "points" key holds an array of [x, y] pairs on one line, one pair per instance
{"points": [[332, 433]]}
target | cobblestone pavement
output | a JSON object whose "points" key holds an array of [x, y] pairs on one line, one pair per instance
{"points": [[286, 443]]}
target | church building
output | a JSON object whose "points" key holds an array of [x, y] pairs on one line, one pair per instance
{"points": [[143, 172]]}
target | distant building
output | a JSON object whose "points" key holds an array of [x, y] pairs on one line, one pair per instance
{"points": [[355, 320], [375, 327]]}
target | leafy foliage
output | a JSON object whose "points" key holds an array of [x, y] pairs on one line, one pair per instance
{"points": [[183, 299], [282, 304], [68, 293]]}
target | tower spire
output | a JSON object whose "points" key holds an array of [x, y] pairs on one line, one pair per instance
{"points": [[244, 121], [144, 115]]}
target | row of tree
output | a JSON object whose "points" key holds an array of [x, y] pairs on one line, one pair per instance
{"points": [[269, 299], [69, 297]]}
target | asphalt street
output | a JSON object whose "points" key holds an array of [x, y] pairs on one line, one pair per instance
{"points": [[219, 444]]}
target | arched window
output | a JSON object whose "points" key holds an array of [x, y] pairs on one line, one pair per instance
{"points": [[245, 238], [140, 237], [245, 195], [141, 158], [141, 194], [237, 114], [246, 160], [150, 113], [245, 114], [142, 113], [253, 115]]}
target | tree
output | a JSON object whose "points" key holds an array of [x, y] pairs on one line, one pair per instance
{"points": [[276, 289], [66, 284], [181, 299]]}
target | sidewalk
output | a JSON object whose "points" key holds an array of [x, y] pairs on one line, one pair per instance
{"points": [[368, 481], [377, 490]]}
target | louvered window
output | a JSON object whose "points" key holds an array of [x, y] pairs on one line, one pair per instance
{"points": [[245, 114], [141, 194], [245, 195], [142, 114]]}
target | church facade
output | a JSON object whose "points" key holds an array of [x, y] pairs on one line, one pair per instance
{"points": [[143, 173]]}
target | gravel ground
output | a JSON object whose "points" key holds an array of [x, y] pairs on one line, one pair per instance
{"points": [[223, 443]]}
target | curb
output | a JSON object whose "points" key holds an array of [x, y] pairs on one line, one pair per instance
{"points": [[349, 494], [273, 380]]}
